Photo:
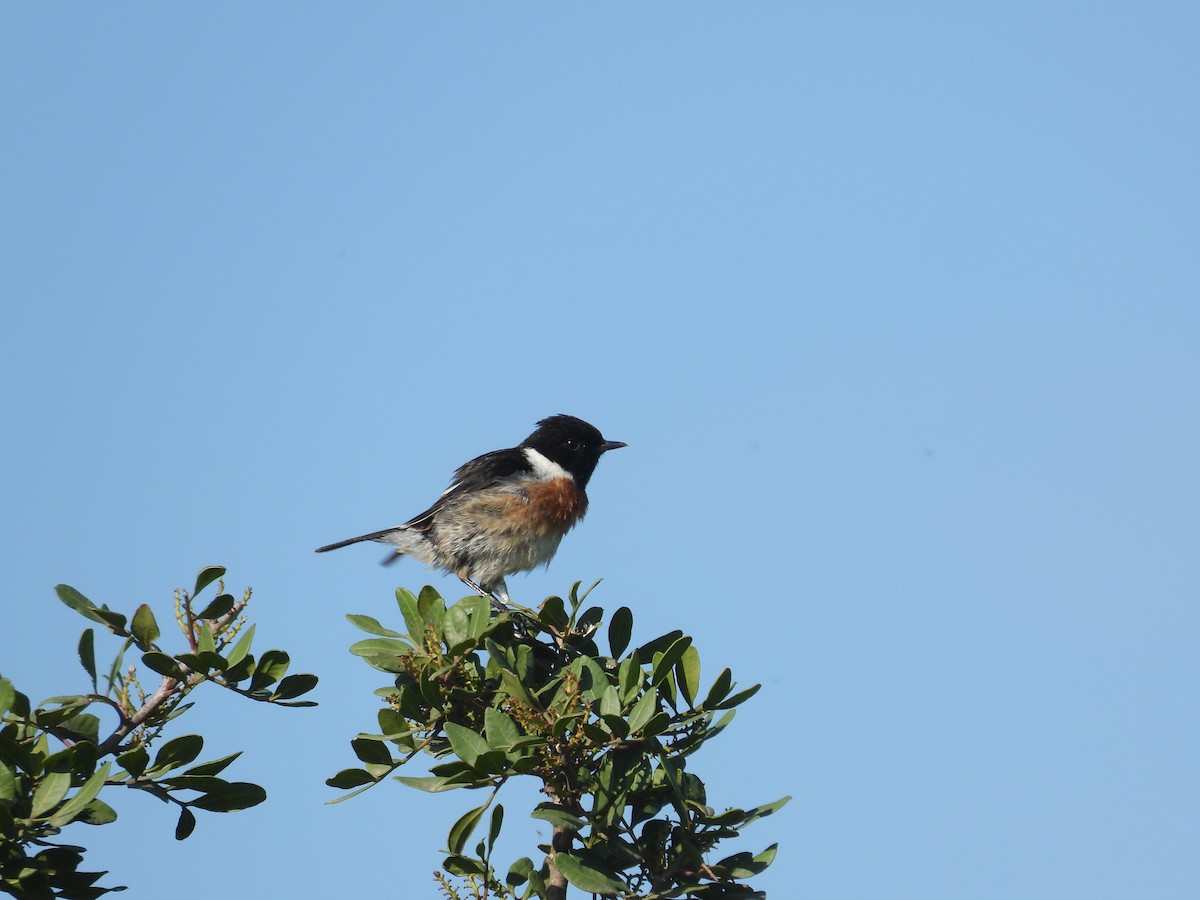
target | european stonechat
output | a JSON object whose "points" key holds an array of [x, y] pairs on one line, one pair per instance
{"points": [[505, 511]]}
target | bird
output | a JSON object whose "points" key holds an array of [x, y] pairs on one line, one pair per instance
{"points": [[505, 511]]}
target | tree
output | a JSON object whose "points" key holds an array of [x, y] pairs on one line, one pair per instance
{"points": [[490, 694], [55, 759], [494, 696]]}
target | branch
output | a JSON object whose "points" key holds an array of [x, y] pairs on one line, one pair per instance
{"points": [[166, 690]]}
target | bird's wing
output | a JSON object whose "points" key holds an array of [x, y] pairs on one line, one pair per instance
{"points": [[481, 472]]}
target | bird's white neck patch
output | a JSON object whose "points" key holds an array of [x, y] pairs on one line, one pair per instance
{"points": [[544, 468]]}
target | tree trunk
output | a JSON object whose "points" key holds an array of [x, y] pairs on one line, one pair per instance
{"points": [[556, 884]]}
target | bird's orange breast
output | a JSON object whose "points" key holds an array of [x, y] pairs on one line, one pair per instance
{"points": [[553, 506]]}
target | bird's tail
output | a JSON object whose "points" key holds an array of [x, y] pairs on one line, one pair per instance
{"points": [[373, 536]]}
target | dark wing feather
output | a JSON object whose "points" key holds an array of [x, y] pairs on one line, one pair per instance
{"points": [[481, 472]]}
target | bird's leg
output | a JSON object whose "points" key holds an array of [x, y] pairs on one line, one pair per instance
{"points": [[498, 596], [500, 592], [473, 586], [502, 604]]}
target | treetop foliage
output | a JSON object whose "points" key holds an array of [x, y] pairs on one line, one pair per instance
{"points": [[608, 733]]}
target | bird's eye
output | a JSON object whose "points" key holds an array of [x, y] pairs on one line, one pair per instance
{"points": [[571, 444]]}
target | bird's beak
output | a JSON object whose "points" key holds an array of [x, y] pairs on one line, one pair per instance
{"points": [[612, 445]]}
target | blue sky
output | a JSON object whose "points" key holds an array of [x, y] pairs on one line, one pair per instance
{"points": [[896, 306]]}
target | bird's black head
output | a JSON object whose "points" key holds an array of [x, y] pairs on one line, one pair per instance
{"points": [[572, 443]]}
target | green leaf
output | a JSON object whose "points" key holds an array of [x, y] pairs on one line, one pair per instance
{"points": [[383, 653], [85, 795], [658, 645], [241, 648], [74, 599], [371, 751], [19, 755], [97, 813], [219, 607], [593, 680], [573, 595], [687, 673], [134, 761], [186, 824], [720, 689], [557, 815], [469, 745], [659, 722], [215, 767], [237, 795], [83, 729], [456, 770], [501, 730], [553, 613], [206, 784], [114, 677], [590, 620], [271, 667], [413, 620], [643, 711], [8, 787], [394, 726], [743, 865], [738, 698], [236, 673], [610, 702], [70, 706], [49, 793], [629, 676], [722, 723], [193, 661], [163, 665], [393, 647], [294, 704], [214, 661], [766, 809], [207, 576], [667, 691], [145, 627], [8, 694], [114, 620], [620, 628], [350, 778], [178, 751], [87, 654], [522, 663], [20, 706], [371, 626], [71, 700], [588, 876], [294, 686], [205, 640], [432, 785], [479, 609], [461, 830], [463, 865], [518, 872], [494, 827], [431, 611], [456, 626], [670, 656]]}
